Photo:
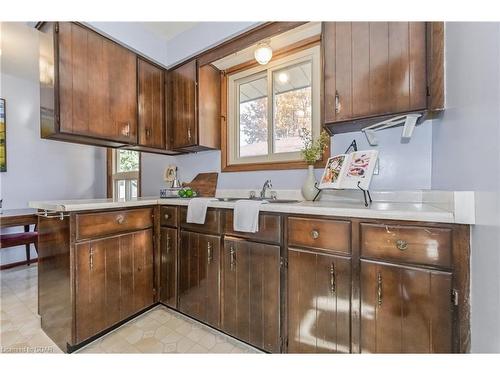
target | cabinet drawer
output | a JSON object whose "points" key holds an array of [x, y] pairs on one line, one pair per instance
{"points": [[411, 244], [212, 221], [105, 223], [168, 216], [269, 228], [329, 235]]}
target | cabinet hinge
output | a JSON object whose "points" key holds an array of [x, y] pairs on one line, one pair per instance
{"points": [[56, 27], [283, 262], [454, 297]]}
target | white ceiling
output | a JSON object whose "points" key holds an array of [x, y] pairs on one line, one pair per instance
{"points": [[168, 30]]}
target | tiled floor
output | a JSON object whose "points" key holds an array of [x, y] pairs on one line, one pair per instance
{"points": [[157, 331]]}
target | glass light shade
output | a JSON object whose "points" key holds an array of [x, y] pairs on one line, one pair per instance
{"points": [[263, 53]]}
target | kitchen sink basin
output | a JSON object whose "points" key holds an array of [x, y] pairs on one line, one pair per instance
{"points": [[259, 199]]}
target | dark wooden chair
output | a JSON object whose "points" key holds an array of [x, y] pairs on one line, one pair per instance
{"points": [[25, 238]]}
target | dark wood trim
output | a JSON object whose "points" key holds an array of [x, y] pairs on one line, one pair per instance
{"points": [[239, 42], [278, 54], [17, 264], [109, 173]]}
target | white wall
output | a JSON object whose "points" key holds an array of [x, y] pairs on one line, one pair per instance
{"points": [[401, 166], [38, 169], [466, 157], [136, 37], [201, 37]]}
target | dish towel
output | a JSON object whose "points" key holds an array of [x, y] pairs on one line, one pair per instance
{"points": [[246, 215], [197, 210]]}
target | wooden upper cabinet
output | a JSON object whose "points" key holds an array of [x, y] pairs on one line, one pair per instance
{"points": [[97, 86], [373, 69], [195, 107], [151, 105], [405, 309]]}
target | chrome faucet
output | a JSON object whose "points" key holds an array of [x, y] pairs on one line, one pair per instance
{"points": [[267, 185]]}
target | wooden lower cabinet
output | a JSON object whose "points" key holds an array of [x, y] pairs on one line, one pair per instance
{"points": [[199, 261], [114, 280], [405, 309], [168, 272], [319, 302], [251, 293]]}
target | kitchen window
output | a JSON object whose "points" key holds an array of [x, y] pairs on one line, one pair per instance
{"points": [[124, 176], [270, 106]]}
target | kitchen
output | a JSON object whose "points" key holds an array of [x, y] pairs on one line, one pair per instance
{"points": [[180, 206]]}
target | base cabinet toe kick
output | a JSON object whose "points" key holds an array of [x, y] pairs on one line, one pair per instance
{"points": [[300, 284]]}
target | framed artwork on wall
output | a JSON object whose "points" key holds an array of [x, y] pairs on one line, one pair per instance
{"points": [[3, 131]]}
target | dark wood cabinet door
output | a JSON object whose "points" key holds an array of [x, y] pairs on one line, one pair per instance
{"points": [[251, 293], [143, 268], [405, 309], [97, 85], [183, 86], [199, 259], [97, 286], [373, 68], [151, 109], [168, 272], [319, 302]]}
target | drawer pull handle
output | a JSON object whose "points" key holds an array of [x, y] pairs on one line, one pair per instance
{"points": [[315, 234], [337, 102], [379, 289], [209, 252], [232, 255], [168, 243], [119, 219], [166, 216], [333, 281], [402, 245]]}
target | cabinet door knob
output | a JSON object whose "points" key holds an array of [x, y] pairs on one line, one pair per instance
{"points": [[148, 132], [402, 245], [337, 102], [189, 133], [166, 216], [119, 219], [315, 234]]}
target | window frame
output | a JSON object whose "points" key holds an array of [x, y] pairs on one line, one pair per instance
{"points": [[232, 161], [113, 176]]}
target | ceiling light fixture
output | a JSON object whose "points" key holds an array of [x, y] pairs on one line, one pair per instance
{"points": [[263, 53]]}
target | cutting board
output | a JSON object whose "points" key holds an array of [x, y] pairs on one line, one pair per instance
{"points": [[205, 184]]}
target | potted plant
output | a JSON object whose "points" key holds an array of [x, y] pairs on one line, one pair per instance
{"points": [[312, 150]]}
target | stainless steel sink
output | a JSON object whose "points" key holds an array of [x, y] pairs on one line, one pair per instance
{"points": [[230, 199]]}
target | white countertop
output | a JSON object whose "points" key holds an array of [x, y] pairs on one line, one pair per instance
{"points": [[413, 211]]}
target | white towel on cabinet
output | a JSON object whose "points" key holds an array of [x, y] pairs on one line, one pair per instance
{"points": [[246, 215], [197, 210]]}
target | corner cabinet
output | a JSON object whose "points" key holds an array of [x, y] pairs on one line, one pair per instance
{"points": [[195, 107], [374, 69]]}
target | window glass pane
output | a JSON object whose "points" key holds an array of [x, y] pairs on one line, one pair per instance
{"points": [[253, 118], [127, 161], [120, 189], [133, 188], [292, 106]]}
